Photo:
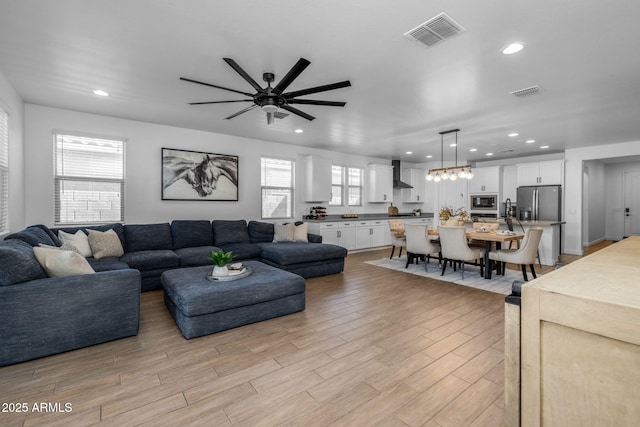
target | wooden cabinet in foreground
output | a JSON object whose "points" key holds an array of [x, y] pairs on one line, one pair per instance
{"points": [[580, 340]]}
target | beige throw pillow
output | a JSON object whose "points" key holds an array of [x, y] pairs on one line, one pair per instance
{"points": [[57, 263], [79, 240], [300, 233], [283, 232], [105, 243], [63, 247]]}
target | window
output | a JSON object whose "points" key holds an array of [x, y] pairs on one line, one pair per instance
{"points": [[277, 188], [346, 181], [4, 172], [89, 179], [337, 185], [354, 185]]}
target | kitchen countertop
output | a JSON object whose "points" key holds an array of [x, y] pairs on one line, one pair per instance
{"points": [[369, 217]]}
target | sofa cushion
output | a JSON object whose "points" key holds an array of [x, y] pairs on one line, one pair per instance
{"points": [[33, 236], [107, 264], [18, 263], [61, 263], [287, 253], [260, 231], [283, 232], [152, 259], [195, 256], [80, 240], [117, 227], [243, 251], [147, 237], [191, 233], [225, 232], [53, 236], [105, 244]]}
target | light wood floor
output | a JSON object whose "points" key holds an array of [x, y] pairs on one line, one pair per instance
{"points": [[373, 347]]}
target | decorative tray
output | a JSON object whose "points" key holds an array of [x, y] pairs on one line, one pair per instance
{"points": [[233, 275]]}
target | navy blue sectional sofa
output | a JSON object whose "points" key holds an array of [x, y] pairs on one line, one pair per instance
{"points": [[43, 316]]}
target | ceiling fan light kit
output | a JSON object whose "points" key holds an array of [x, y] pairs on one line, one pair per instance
{"points": [[452, 172], [271, 99]]}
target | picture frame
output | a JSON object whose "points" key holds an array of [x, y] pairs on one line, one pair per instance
{"points": [[198, 175]]}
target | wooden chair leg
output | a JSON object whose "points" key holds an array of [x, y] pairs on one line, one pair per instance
{"points": [[533, 272], [524, 272], [393, 249]]}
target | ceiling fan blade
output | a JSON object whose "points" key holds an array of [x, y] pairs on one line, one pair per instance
{"points": [[244, 74], [220, 102], [216, 86], [316, 102], [297, 112], [317, 89], [293, 73], [241, 112]]}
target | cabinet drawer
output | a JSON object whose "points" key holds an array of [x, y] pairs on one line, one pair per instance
{"points": [[328, 225], [378, 223], [363, 223], [347, 224]]}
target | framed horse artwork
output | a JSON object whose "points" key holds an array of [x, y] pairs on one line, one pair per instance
{"points": [[195, 175]]}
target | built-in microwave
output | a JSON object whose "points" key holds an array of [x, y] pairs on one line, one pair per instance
{"points": [[484, 202]]}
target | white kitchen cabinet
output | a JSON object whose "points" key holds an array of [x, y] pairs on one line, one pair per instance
{"points": [[486, 180], [318, 179], [415, 178], [371, 234], [541, 173], [453, 194], [380, 183], [337, 233], [509, 183]]}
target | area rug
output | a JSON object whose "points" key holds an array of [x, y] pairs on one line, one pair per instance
{"points": [[498, 284]]}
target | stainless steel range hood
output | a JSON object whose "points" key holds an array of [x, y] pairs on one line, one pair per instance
{"points": [[396, 176]]}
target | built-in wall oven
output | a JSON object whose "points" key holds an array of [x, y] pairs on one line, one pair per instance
{"points": [[484, 202]]}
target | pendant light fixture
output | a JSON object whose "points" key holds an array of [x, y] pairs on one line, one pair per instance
{"points": [[453, 172]]}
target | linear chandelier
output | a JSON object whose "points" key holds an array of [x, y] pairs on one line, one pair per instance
{"points": [[452, 172]]}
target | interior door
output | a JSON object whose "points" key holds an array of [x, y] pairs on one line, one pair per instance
{"points": [[631, 203]]}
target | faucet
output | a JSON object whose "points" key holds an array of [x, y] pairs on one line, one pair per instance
{"points": [[507, 207]]}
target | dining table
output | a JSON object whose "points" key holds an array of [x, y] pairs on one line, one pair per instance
{"points": [[489, 238]]}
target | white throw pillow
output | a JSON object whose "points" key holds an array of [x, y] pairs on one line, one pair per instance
{"points": [[63, 247], [105, 243], [79, 240], [283, 232], [58, 263], [300, 233]]}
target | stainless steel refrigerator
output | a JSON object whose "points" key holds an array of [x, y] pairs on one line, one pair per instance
{"points": [[539, 203]]}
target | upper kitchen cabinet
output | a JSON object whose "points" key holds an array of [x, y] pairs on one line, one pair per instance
{"points": [[318, 179], [509, 183], [415, 178], [380, 183], [542, 173], [486, 180]]}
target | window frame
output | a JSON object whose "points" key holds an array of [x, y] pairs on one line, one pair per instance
{"points": [[60, 179], [4, 170], [349, 186], [273, 187], [342, 185]]}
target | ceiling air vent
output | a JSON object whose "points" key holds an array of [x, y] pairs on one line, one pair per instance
{"points": [[435, 30], [528, 91]]}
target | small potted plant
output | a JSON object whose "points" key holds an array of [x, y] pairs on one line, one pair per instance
{"points": [[221, 259], [417, 212]]}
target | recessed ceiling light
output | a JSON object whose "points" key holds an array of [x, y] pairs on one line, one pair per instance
{"points": [[428, 157], [298, 131], [513, 134], [544, 146], [473, 149], [489, 154], [513, 48], [530, 141], [100, 92], [409, 152], [453, 145]]}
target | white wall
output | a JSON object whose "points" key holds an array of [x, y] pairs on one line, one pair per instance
{"points": [[143, 202], [12, 103], [595, 229], [575, 159]]}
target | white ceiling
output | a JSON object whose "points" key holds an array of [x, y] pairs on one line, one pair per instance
{"points": [[583, 53]]}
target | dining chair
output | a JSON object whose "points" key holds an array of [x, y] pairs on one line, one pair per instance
{"points": [[525, 255], [454, 247], [419, 245], [396, 227]]}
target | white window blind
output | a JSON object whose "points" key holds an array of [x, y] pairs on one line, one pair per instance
{"points": [[4, 171], [89, 179], [277, 187], [354, 178]]}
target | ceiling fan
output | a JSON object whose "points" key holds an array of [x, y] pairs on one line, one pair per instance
{"points": [[270, 99]]}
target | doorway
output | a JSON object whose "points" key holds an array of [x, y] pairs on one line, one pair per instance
{"points": [[631, 203]]}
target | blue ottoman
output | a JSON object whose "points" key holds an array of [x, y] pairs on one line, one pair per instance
{"points": [[202, 307]]}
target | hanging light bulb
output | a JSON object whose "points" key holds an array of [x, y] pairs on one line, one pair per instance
{"points": [[470, 174], [429, 177], [463, 174], [445, 175], [437, 178], [453, 176]]}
